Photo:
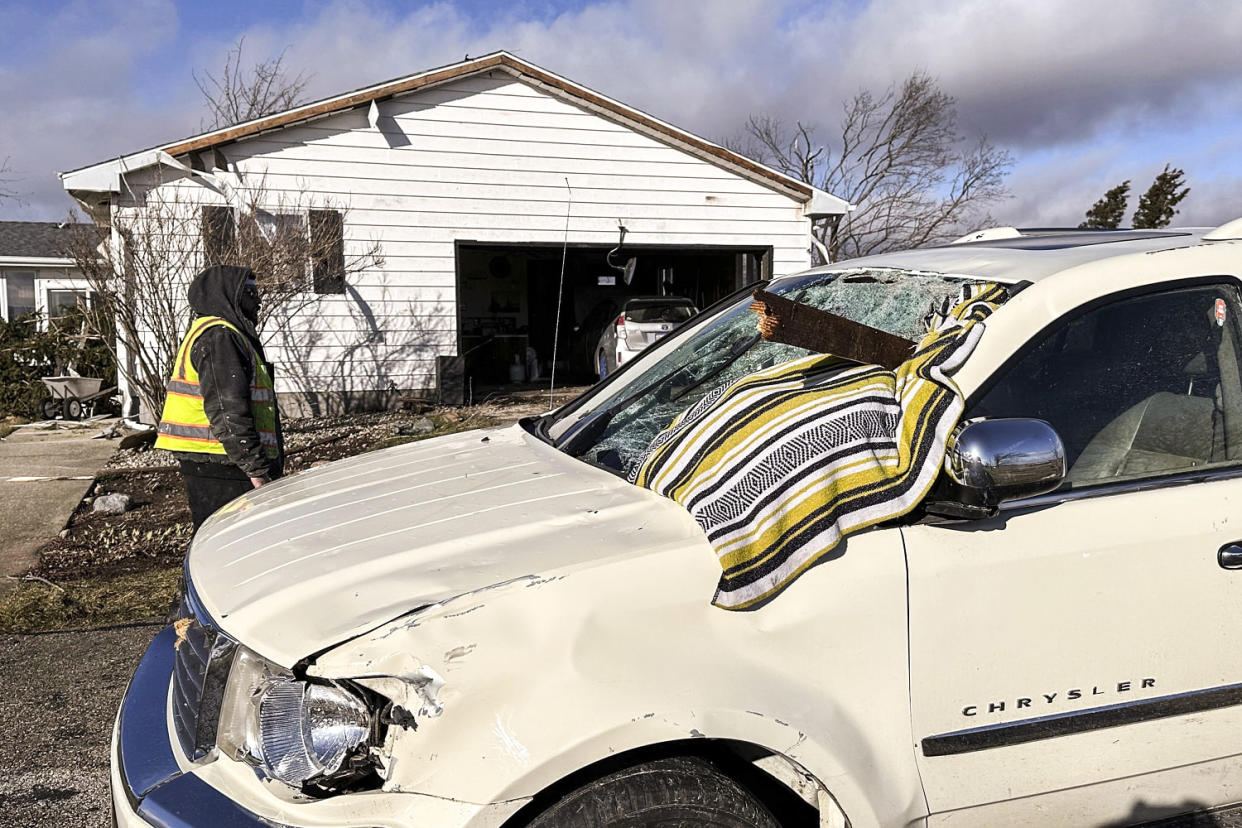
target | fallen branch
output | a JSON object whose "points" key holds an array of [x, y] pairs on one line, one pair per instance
{"points": [[35, 578]]}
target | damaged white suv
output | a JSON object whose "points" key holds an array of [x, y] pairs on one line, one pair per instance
{"points": [[496, 629]]}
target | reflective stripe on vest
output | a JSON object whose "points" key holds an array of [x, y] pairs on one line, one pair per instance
{"points": [[184, 425]]}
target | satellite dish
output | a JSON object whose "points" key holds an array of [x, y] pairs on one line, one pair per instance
{"points": [[627, 272]]}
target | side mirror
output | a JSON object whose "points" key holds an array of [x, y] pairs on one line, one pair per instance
{"points": [[991, 461], [627, 272]]}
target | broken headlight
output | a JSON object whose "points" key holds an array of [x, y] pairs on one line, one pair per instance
{"points": [[307, 730], [297, 731]]}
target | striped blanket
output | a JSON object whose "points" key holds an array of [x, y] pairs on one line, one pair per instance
{"points": [[778, 467]]}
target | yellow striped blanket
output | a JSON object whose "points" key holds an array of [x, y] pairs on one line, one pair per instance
{"points": [[778, 467]]}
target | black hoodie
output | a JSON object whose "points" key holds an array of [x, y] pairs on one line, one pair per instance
{"points": [[225, 374]]}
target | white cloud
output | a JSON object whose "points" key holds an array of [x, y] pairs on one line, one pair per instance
{"points": [[1054, 81]]}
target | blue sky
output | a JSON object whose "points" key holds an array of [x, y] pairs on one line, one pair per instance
{"points": [[1082, 94]]}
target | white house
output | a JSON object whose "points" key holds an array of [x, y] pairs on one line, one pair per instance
{"points": [[485, 185], [36, 271]]}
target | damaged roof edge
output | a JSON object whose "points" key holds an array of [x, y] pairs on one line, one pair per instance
{"points": [[104, 176], [824, 203]]}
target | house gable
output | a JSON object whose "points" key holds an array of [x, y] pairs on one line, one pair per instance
{"points": [[104, 177]]}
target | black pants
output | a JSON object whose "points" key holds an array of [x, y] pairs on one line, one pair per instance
{"points": [[211, 485]]}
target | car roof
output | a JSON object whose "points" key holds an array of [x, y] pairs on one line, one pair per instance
{"points": [[1027, 255]]}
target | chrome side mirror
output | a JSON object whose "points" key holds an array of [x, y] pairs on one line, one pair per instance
{"points": [[991, 461]]}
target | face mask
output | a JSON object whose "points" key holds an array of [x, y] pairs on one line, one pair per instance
{"points": [[248, 302]]}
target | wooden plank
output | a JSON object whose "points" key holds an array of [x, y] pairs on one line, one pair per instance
{"points": [[793, 323]]}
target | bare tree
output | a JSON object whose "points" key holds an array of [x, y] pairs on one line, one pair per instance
{"points": [[914, 177], [242, 94], [6, 182], [140, 260]]}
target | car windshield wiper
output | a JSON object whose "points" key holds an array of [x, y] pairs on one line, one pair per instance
{"points": [[740, 347]]}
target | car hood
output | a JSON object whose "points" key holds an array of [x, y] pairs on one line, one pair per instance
{"points": [[324, 555]]}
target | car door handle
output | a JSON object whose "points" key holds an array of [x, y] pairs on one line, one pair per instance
{"points": [[1230, 556]]}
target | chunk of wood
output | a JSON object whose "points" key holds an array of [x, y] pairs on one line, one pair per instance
{"points": [[793, 323]]}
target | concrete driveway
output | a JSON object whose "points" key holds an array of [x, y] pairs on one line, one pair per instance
{"points": [[44, 473], [61, 692]]}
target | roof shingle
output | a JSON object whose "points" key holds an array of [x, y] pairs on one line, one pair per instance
{"points": [[34, 239]]}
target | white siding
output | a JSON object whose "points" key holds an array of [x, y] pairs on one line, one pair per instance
{"points": [[481, 159]]}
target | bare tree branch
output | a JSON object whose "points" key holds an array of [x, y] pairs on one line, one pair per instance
{"points": [[900, 158], [242, 94], [6, 181], [139, 266]]}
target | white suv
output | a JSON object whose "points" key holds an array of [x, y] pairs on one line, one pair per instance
{"points": [[495, 629], [642, 322]]}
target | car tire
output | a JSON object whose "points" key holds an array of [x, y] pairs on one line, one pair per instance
{"points": [[602, 365], [681, 791]]}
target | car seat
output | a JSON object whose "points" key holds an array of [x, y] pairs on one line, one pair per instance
{"points": [[1167, 431]]}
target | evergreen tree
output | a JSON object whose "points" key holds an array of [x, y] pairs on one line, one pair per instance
{"points": [[1107, 213], [1158, 206]]}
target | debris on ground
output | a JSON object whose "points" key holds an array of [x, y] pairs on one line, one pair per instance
{"points": [[116, 566], [139, 439], [419, 426], [116, 503]]}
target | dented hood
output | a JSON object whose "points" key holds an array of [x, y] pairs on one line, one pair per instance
{"points": [[319, 557]]}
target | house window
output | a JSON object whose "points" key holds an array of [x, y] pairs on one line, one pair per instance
{"points": [[218, 231], [327, 239], [276, 227], [269, 241], [19, 293], [61, 302]]}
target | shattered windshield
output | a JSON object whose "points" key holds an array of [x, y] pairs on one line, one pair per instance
{"points": [[614, 427]]}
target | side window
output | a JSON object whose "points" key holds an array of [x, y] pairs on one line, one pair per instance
{"points": [[327, 240], [218, 231], [1143, 386]]}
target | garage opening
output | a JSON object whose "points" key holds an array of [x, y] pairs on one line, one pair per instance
{"points": [[506, 304]]}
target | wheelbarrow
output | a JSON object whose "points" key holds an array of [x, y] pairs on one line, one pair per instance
{"points": [[72, 397]]}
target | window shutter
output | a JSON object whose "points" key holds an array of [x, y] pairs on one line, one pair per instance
{"points": [[327, 237], [218, 232]]}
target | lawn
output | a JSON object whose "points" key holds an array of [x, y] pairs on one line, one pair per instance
{"points": [[117, 569]]}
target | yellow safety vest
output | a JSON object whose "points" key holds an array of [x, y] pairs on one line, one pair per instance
{"points": [[184, 425]]}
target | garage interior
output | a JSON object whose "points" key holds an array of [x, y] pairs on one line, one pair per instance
{"points": [[506, 300]]}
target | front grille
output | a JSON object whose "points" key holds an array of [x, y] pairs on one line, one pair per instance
{"points": [[201, 669]]}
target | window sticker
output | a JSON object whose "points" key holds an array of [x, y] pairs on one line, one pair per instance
{"points": [[1220, 312]]}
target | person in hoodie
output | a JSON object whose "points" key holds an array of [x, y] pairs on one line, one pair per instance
{"points": [[220, 417]]}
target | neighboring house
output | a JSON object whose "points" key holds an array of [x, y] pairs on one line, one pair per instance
{"points": [[485, 185], [36, 272]]}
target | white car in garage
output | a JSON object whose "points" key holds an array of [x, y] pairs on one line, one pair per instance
{"points": [[494, 628], [643, 321]]}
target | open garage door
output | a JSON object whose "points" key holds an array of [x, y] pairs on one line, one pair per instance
{"points": [[507, 301]]}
